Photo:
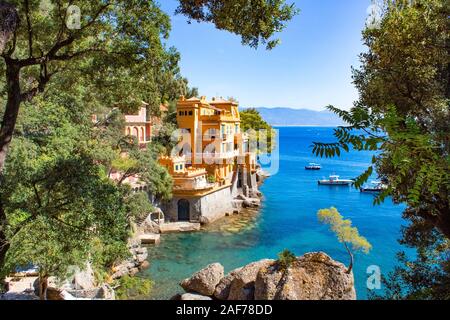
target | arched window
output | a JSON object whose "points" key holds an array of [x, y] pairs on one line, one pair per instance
{"points": [[128, 131], [136, 132], [142, 134]]}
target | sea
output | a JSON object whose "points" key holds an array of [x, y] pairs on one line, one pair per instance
{"points": [[288, 220]]}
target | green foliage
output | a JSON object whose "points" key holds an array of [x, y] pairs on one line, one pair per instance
{"points": [[211, 179], [424, 277], [344, 230], [105, 254], [164, 136], [133, 288], [253, 123], [286, 259], [138, 206], [403, 114], [56, 198], [255, 21]]}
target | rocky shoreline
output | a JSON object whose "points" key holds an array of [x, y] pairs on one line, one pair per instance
{"points": [[314, 276]]}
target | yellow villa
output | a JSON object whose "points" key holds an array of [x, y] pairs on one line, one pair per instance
{"points": [[212, 165]]}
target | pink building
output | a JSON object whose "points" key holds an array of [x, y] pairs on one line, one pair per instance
{"points": [[139, 126]]}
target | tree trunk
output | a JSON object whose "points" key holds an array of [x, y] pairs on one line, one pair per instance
{"points": [[11, 111], [350, 267], [9, 21], [4, 245], [43, 285]]}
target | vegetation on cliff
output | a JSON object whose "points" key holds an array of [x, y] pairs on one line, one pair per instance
{"points": [[404, 115], [345, 232], [259, 130], [58, 207]]}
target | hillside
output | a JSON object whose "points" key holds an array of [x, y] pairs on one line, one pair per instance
{"points": [[299, 117]]}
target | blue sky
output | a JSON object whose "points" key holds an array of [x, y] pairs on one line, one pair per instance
{"points": [[310, 69]]}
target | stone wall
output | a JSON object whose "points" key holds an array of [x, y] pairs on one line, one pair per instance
{"points": [[205, 209], [216, 205]]}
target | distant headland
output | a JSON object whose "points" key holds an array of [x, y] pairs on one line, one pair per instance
{"points": [[299, 117]]}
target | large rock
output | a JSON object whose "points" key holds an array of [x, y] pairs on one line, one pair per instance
{"points": [[84, 280], [267, 282], [150, 226], [223, 288], [243, 285], [194, 297], [315, 276], [205, 281]]}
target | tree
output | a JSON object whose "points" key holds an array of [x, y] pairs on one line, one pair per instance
{"points": [[345, 233], [55, 197], [113, 40], [403, 114], [252, 122], [113, 58], [285, 259], [256, 21], [424, 277], [404, 108]]}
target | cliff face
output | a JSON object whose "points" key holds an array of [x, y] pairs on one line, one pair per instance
{"points": [[314, 276]]}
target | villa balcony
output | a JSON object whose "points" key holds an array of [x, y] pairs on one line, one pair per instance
{"points": [[187, 187], [217, 156], [219, 118]]}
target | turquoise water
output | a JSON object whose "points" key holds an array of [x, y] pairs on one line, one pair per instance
{"points": [[288, 220]]}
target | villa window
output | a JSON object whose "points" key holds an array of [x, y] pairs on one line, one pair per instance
{"points": [[190, 113], [223, 131], [180, 113]]}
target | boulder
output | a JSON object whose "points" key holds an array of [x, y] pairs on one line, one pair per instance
{"points": [[315, 276], [140, 258], [133, 272], [251, 203], [144, 266], [84, 280], [223, 288], [106, 293], [205, 281], [267, 282], [194, 297], [150, 226], [243, 285]]}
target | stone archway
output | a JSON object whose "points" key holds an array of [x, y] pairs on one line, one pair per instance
{"points": [[184, 210]]}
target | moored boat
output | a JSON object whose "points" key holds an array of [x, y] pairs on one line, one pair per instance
{"points": [[313, 166], [375, 187], [335, 181]]}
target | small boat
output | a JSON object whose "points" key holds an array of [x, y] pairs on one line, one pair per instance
{"points": [[335, 181], [375, 187], [313, 166]]}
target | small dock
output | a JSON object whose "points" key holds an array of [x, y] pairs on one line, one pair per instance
{"points": [[147, 239], [175, 227]]}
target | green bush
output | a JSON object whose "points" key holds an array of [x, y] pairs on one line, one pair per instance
{"points": [[285, 259], [133, 288], [211, 179]]}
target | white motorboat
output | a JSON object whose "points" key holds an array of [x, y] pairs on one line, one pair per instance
{"points": [[335, 180]]}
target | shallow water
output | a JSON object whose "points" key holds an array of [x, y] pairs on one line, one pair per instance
{"points": [[288, 219]]}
